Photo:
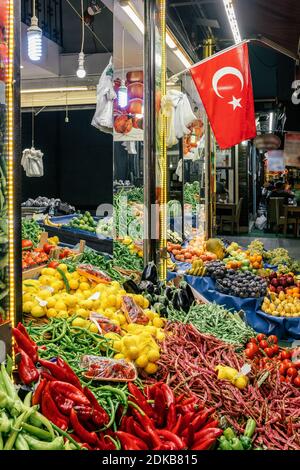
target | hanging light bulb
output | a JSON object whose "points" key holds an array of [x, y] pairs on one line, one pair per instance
{"points": [[81, 73], [34, 38], [123, 95]]}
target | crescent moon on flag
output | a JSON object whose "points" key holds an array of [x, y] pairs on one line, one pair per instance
{"points": [[226, 71]]}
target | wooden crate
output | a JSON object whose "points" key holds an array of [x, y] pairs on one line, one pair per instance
{"points": [[34, 272]]}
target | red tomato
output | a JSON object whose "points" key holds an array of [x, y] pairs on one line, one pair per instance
{"points": [[250, 353], [273, 339], [263, 344], [260, 337], [296, 381], [53, 264], [282, 378], [292, 372], [282, 369], [275, 348], [269, 352], [287, 363], [252, 340], [285, 355]]}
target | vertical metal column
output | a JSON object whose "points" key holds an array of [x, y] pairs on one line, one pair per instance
{"points": [[149, 130], [210, 174], [17, 166]]}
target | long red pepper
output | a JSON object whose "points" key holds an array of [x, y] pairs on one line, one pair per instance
{"points": [[148, 426], [170, 436], [24, 343], [71, 377], [95, 404], [207, 433], [130, 442], [50, 410], [204, 445], [171, 417], [23, 330], [37, 396], [57, 372], [69, 391], [139, 432], [168, 394], [63, 404], [140, 399], [178, 425], [201, 419], [27, 371], [160, 406], [82, 433]]}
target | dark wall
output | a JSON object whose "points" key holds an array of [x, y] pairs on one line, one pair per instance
{"points": [[78, 159]]}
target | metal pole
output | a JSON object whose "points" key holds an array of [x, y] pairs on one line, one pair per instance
{"points": [[208, 50], [149, 130]]}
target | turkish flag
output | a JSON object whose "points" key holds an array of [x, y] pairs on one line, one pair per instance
{"points": [[225, 88]]}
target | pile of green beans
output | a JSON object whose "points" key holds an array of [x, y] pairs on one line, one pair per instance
{"points": [[31, 231], [71, 343], [125, 259], [215, 320], [95, 259]]}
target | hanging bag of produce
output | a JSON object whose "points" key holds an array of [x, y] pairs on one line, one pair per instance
{"points": [[32, 162]]}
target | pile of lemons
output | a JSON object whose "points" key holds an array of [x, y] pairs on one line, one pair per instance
{"points": [[47, 296], [138, 342]]}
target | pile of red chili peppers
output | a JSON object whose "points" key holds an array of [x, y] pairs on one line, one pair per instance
{"points": [[61, 397], [172, 423]]}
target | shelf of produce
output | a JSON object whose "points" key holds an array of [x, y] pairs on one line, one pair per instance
{"points": [[71, 235]]}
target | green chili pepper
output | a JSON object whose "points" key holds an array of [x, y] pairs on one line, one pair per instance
{"points": [[229, 434], [236, 444], [21, 443], [250, 428], [35, 444]]}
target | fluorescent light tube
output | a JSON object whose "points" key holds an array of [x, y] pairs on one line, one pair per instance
{"points": [[170, 42], [232, 20], [55, 90], [182, 58], [134, 17]]}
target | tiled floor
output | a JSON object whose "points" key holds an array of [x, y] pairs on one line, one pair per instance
{"points": [[290, 244]]}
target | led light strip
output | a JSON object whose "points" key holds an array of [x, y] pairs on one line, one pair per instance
{"points": [[163, 148], [10, 159], [229, 8]]}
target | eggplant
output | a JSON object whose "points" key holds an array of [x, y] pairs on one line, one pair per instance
{"points": [[150, 273], [182, 300], [189, 294], [169, 292], [131, 287], [147, 286]]}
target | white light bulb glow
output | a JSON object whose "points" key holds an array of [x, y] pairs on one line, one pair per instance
{"points": [[34, 39], [123, 96], [81, 73], [232, 20]]}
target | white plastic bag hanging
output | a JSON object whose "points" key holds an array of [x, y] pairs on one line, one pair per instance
{"points": [[32, 162], [103, 117]]}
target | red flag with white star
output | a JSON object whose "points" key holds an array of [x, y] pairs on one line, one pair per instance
{"points": [[225, 88]]}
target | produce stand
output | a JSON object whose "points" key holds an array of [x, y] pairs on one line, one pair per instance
{"points": [[72, 236], [116, 353]]}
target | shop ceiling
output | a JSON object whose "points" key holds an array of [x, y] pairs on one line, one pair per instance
{"points": [[192, 21]]}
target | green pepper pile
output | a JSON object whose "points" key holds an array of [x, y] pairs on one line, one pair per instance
{"points": [[230, 441]]}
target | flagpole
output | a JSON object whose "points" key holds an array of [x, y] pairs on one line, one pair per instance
{"points": [[209, 159]]}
